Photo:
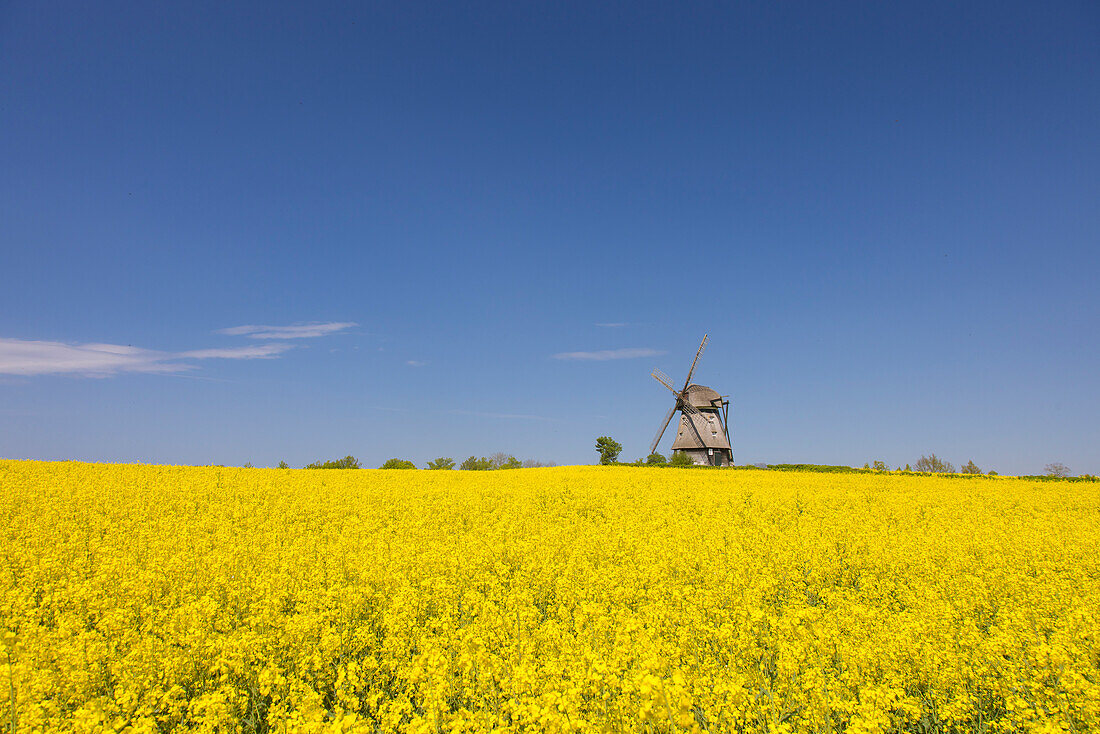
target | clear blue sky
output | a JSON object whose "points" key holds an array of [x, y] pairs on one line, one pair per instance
{"points": [[887, 219]]}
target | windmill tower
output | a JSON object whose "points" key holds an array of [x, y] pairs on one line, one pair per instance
{"points": [[703, 433]]}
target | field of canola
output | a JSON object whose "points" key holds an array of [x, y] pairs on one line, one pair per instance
{"points": [[149, 598]]}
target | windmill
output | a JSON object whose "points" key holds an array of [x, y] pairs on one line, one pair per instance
{"points": [[704, 432]]}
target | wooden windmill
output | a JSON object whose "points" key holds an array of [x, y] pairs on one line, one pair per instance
{"points": [[703, 433]]}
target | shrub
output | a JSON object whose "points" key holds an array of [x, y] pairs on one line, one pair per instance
{"points": [[656, 459], [504, 461], [348, 462], [680, 458], [970, 468], [475, 464], [398, 464], [442, 463]]}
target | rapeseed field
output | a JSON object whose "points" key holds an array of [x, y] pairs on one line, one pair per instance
{"points": [[587, 599]]}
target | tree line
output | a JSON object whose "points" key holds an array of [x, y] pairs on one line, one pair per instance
{"points": [[609, 450], [473, 463]]}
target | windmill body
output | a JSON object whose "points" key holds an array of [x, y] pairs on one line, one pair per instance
{"points": [[703, 431], [702, 435]]}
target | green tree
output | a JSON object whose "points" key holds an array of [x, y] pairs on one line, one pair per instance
{"points": [[656, 459], [475, 464], [680, 458], [442, 463], [880, 466], [933, 464], [348, 462], [609, 449], [283, 465], [970, 468], [505, 461], [398, 464]]}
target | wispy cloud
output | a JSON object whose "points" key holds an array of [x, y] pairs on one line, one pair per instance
{"points": [[606, 354], [612, 324], [415, 363], [294, 331], [260, 351], [28, 357]]}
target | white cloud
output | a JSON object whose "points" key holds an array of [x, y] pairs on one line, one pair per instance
{"points": [[607, 354], [415, 363], [294, 331], [612, 325], [28, 357], [260, 351]]}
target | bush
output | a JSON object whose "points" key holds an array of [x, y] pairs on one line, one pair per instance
{"points": [[679, 458], [398, 464], [348, 462], [442, 463], [880, 466], [970, 468], [504, 461], [283, 465], [656, 459], [475, 464]]}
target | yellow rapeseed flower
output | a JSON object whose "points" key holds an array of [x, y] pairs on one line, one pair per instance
{"points": [[580, 599]]}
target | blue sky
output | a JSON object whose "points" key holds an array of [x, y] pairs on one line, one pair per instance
{"points": [[304, 232]]}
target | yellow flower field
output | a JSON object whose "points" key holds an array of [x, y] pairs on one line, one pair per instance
{"points": [[150, 598]]}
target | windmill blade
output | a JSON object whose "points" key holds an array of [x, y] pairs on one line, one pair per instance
{"points": [[702, 346], [665, 380], [661, 433], [686, 406]]}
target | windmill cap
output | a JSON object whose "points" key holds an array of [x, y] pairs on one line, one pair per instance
{"points": [[703, 397]]}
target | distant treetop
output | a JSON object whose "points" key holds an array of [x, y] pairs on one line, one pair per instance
{"points": [[348, 462], [933, 464]]}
